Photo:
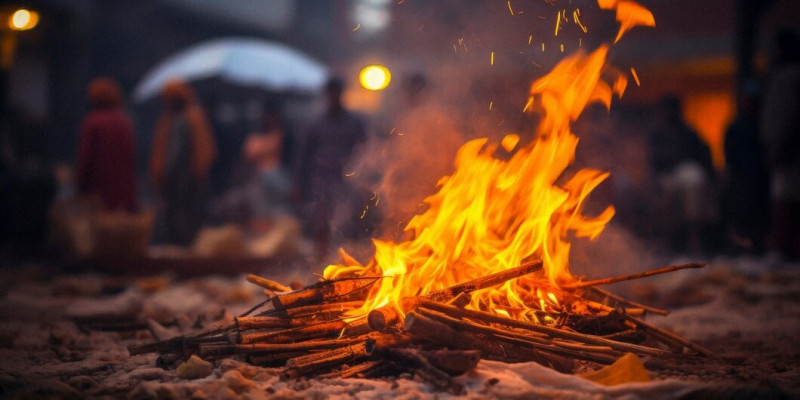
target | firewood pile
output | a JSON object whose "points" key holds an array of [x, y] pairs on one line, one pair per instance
{"points": [[313, 331]]}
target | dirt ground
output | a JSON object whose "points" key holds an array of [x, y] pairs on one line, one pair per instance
{"points": [[746, 310]]}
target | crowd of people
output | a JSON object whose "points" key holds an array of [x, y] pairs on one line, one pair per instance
{"points": [[296, 184]]}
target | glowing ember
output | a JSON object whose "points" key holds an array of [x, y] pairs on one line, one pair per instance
{"points": [[503, 205]]}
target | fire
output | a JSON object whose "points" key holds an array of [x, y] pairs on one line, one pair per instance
{"points": [[504, 203]]}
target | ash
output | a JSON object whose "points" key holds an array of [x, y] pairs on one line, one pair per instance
{"points": [[66, 336]]}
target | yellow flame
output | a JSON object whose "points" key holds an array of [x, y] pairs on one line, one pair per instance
{"points": [[504, 203]]}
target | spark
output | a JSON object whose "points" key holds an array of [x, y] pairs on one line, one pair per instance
{"points": [[455, 49], [491, 59], [509, 7], [576, 16], [363, 213], [356, 28], [542, 47], [562, 47], [392, 131], [635, 77], [349, 174], [580, 42], [528, 104], [537, 65], [530, 39], [490, 105], [558, 22]]}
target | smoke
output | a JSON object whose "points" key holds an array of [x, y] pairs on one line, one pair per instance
{"points": [[477, 59]]}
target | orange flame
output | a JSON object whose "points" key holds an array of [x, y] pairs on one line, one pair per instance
{"points": [[502, 204]]}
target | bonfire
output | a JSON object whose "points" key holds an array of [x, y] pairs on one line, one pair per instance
{"points": [[484, 272]]}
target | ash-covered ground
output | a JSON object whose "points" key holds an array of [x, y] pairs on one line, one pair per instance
{"points": [[746, 310]]}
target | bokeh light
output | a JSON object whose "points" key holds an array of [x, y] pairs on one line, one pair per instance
{"points": [[23, 20], [375, 77]]}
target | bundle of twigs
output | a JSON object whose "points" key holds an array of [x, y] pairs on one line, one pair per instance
{"points": [[438, 337]]}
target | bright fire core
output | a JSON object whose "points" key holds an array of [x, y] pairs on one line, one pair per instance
{"points": [[502, 204]]}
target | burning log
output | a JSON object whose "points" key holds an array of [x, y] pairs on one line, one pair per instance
{"points": [[553, 332], [485, 281], [461, 300], [422, 327], [381, 318], [602, 355], [324, 291]]}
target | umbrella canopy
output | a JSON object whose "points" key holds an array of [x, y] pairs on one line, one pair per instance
{"points": [[250, 62]]}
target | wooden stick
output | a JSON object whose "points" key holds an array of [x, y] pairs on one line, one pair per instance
{"points": [[381, 318], [622, 300], [247, 323], [325, 308], [671, 336], [331, 328], [553, 332], [461, 300], [356, 327], [324, 291], [485, 281], [606, 281], [222, 350], [298, 366], [354, 370], [267, 284]]}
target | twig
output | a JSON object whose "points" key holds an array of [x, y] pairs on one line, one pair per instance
{"points": [[622, 300], [671, 336], [606, 281]]}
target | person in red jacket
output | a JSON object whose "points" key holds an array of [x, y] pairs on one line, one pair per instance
{"points": [[106, 167]]}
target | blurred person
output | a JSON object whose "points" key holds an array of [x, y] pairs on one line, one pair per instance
{"points": [[106, 165], [684, 174], [780, 130], [261, 202], [745, 193], [182, 155], [264, 192], [330, 143]]}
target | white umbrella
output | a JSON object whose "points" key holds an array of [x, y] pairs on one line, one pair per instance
{"points": [[243, 61]]}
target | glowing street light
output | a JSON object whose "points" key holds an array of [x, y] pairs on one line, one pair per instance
{"points": [[375, 77], [22, 20]]}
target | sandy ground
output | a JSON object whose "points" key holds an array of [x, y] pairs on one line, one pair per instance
{"points": [[746, 310]]}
